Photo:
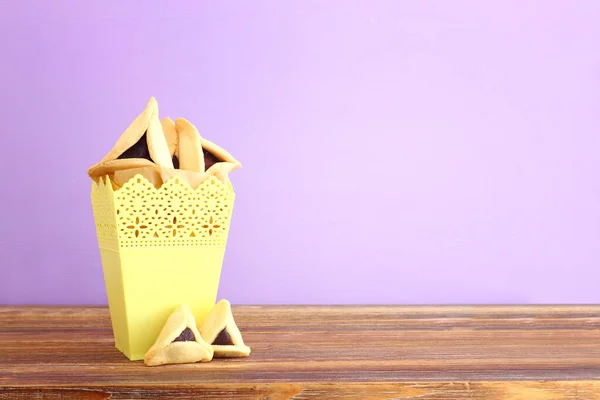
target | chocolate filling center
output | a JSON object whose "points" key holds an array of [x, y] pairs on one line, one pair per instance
{"points": [[209, 159], [186, 336], [138, 150], [223, 339]]}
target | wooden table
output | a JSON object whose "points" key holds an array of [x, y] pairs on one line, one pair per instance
{"points": [[426, 353]]}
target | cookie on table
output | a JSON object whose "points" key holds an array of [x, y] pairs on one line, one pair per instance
{"points": [[179, 341], [219, 329]]}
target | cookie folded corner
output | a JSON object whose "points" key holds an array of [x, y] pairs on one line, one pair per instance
{"points": [[171, 135], [189, 149], [220, 330], [179, 341]]}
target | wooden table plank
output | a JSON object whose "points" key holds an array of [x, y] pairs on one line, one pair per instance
{"points": [[319, 352]]}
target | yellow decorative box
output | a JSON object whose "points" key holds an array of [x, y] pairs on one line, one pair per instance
{"points": [[159, 248]]}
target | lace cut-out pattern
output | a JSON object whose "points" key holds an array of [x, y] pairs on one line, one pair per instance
{"points": [[140, 216], [104, 215]]}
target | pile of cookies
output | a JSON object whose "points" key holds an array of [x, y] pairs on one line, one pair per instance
{"points": [[161, 149], [180, 341]]}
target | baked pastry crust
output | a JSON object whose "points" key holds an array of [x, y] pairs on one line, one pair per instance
{"points": [[167, 350], [145, 123], [219, 323]]}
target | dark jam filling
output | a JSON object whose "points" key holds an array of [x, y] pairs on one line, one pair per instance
{"points": [[138, 150], [223, 339], [186, 336], [209, 159]]}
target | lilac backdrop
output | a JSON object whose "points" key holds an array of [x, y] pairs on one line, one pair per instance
{"points": [[394, 151]]}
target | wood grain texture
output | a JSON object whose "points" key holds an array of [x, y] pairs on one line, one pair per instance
{"points": [[319, 352]]}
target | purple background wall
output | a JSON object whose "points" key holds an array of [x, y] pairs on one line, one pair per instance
{"points": [[394, 151]]}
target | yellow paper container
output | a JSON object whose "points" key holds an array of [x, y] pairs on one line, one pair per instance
{"points": [[159, 248]]}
